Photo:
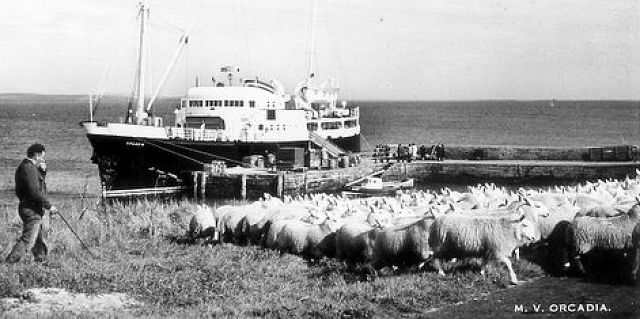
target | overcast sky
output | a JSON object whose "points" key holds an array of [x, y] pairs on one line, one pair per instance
{"points": [[376, 49]]}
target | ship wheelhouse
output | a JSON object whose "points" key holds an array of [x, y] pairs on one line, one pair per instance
{"points": [[256, 110]]}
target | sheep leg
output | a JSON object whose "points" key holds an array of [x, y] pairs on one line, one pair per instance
{"points": [[483, 267], [636, 266], [512, 275], [438, 265], [578, 263], [516, 254]]}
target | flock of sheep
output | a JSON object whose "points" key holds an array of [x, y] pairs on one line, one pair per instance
{"points": [[418, 227]]}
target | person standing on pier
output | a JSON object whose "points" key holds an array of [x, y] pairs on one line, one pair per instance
{"points": [[31, 191]]}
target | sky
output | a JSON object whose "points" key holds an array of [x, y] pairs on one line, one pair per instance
{"points": [[376, 49]]}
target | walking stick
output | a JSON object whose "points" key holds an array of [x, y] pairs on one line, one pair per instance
{"points": [[78, 237]]}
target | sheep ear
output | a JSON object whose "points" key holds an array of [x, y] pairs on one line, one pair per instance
{"points": [[430, 214], [526, 201], [519, 220]]}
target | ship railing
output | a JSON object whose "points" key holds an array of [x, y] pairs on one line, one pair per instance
{"points": [[341, 113], [197, 134]]}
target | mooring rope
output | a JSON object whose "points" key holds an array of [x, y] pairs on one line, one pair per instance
{"points": [[203, 153], [171, 151]]}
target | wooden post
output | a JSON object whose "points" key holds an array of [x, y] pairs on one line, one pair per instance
{"points": [[195, 184], [280, 185], [203, 184], [243, 186], [305, 182]]}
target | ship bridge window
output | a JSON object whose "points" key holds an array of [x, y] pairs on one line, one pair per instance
{"points": [[226, 103], [350, 123], [210, 123], [331, 125], [252, 103], [313, 126], [271, 114], [208, 103], [195, 103], [217, 103]]}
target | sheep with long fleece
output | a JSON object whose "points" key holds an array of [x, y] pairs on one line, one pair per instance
{"points": [[635, 238], [600, 211], [202, 224], [608, 234], [273, 228], [354, 242], [311, 241], [251, 226], [229, 222], [269, 226], [402, 246], [480, 236]]}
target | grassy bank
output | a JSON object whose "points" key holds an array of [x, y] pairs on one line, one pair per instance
{"points": [[139, 251]]}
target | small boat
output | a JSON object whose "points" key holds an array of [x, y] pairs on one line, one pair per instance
{"points": [[374, 186]]}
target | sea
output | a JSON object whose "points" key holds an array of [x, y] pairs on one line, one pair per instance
{"points": [[53, 120]]}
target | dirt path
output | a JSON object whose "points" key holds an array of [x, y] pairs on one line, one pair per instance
{"points": [[42, 302], [551, 297]]}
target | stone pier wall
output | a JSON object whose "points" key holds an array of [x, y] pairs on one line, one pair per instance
{"points": [[441, 171]]}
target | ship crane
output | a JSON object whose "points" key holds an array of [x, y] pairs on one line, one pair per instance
{"points": [[142, 112]]}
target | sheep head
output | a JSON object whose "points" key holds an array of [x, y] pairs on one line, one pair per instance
{"points": [[524, 228]]}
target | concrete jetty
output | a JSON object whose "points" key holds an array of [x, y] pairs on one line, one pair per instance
{"points": [[461, 170], [462, 164]]}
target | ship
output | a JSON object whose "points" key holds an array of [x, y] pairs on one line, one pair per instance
{"points": [[226, 121]]}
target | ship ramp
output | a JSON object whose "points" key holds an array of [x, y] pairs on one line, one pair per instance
{"points": [[333, 149]]}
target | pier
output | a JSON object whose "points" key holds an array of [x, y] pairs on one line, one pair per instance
{"points": [[462, 164], [470, 163], [514, 170]]}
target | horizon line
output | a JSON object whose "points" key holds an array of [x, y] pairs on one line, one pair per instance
{"points": [[356, 99]]}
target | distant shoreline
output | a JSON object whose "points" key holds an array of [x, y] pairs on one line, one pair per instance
{"points": [[15, 95]]}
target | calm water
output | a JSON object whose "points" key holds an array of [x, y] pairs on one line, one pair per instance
{"points": [[53, 121]]}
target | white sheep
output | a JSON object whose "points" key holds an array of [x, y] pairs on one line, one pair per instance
{"points": [[600, 211], [402, 246], [229, 222], [480, 236], [354, 242], [635, 238], [311, 241], [272, 229], [613, 233], [250, 227], [203, 224]]}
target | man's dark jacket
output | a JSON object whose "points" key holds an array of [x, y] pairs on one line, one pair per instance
{"points": [[31, 187]]}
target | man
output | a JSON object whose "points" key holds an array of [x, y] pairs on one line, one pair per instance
{"points": [[31, 191]]}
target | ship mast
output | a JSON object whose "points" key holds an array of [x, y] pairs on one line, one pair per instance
{"points": [[140, 112], [312, 43]]}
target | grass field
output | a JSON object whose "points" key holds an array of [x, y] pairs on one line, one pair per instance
{"points": [[139, 252]]}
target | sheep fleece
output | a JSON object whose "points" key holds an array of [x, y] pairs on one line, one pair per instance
{"points": [[354, 242], [605, 233], [300, 238], [474, 236], [403, 245]]}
